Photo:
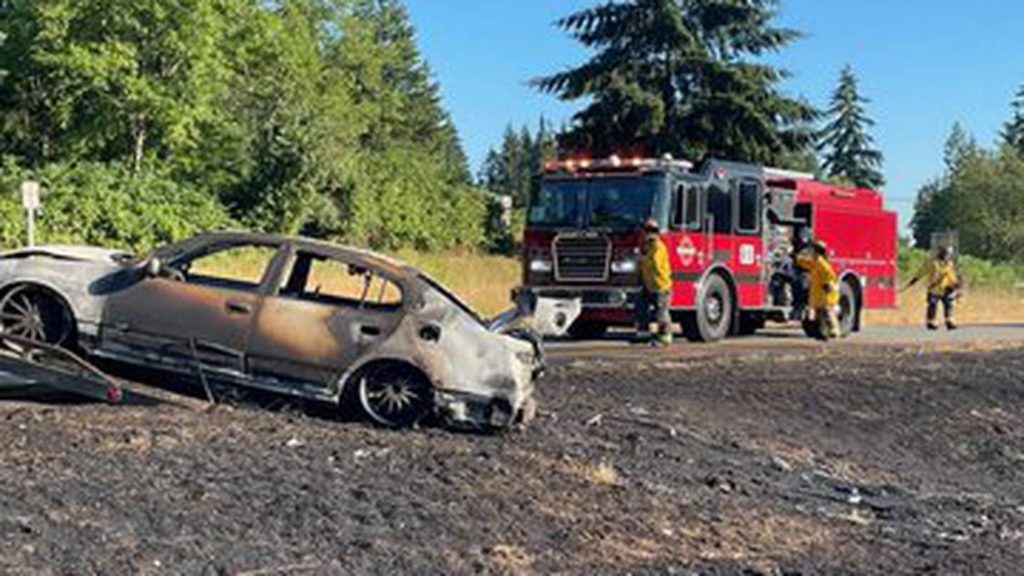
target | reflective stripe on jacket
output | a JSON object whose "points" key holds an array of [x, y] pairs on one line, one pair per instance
{"points": [[655, 270], [824, 290]]}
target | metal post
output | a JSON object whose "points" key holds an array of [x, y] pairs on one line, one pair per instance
{"points": [[31, 228], [30, 201]]}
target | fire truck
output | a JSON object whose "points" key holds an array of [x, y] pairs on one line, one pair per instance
{"points": [[732, 231]]}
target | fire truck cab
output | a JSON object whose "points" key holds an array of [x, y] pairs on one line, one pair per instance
{"points": [[732, 230]]}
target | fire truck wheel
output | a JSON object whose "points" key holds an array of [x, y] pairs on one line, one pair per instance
{"points": [[848, 309], [585, 330], [714, 315]]}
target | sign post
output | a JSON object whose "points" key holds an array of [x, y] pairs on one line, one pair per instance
{"points": [[30, 201]]}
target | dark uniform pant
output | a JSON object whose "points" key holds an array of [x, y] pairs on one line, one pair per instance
{"points": [[660, 302], [948, 298]]}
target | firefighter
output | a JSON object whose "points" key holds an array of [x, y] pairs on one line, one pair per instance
{"points": [[943, 286], [823, 297], [656, 274]]}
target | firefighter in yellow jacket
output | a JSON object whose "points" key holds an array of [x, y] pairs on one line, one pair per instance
{"points": [[943, 286], [823, 299], [656, 292]]}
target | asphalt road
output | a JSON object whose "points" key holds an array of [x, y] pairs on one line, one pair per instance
{"points": [[783, 340]]}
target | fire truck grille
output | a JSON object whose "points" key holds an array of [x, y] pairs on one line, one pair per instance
{"points": [[581, 258]]}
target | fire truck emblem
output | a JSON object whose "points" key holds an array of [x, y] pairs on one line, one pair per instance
{"points": [[686, 251]]}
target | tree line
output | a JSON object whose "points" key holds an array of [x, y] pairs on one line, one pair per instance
{"points": [[687, 78], [980, 193], [148, 120]]}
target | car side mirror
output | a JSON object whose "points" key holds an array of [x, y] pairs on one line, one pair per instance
{"points": [[154, 267]]}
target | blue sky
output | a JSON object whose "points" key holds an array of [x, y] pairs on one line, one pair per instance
{"points": [[925, 64]]}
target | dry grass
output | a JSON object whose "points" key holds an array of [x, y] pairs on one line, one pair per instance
{"points": [[982, 306], [486, 283]]}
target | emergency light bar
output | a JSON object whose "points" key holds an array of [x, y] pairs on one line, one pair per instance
{"points": [[616, 163], [782, 174]]}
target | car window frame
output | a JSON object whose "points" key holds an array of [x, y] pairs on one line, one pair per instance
{"points": [[212, 248], [283, 278]]}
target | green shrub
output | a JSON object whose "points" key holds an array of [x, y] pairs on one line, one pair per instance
{"points": [[99, 204]]}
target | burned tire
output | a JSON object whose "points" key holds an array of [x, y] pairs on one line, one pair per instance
{"points": [[34, 313], [588, 330], [395, 395], [714, 315]]}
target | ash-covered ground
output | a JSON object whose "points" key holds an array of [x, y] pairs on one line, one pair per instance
{"points": [[833, 461]]}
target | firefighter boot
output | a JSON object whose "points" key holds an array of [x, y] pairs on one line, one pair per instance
{"points": [[663, 340]]}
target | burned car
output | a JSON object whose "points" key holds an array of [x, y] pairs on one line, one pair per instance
{"points": [[286, 315]]}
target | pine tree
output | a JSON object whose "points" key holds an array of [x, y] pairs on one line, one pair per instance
{"points": [[511, 170], [684, 77], [1013, 133], [959, 145], [848, 148], [933, 208]]}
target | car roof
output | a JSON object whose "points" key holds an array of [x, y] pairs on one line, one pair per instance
{"points": [[369, 257]]}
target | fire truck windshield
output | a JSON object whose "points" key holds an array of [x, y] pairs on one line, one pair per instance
{"points": [[616, 203]]}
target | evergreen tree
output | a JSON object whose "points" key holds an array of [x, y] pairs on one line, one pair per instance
{"points": [[937, 203], [684, 77], [847, 147], [959, 145], [1013, 133], [511, 170]]}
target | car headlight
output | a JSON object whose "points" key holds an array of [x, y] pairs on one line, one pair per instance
{"points": [[624, 266], [540, 265]]}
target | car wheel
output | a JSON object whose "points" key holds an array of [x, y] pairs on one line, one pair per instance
{"points": [[714, 315], [395, 395], [588, 330], [33, 313]]}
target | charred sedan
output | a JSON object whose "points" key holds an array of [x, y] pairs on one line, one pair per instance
{"points": [[286, 315]]}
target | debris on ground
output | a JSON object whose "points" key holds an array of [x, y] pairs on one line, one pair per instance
{"points": [[858, 466]]}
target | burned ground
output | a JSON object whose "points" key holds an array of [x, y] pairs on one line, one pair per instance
{"points": [[838, 461]]}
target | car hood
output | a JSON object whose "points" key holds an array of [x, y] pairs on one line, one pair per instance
{"points": [[74, 253]]}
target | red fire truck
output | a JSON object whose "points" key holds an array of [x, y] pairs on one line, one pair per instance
{"points": [[732, 231]]}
